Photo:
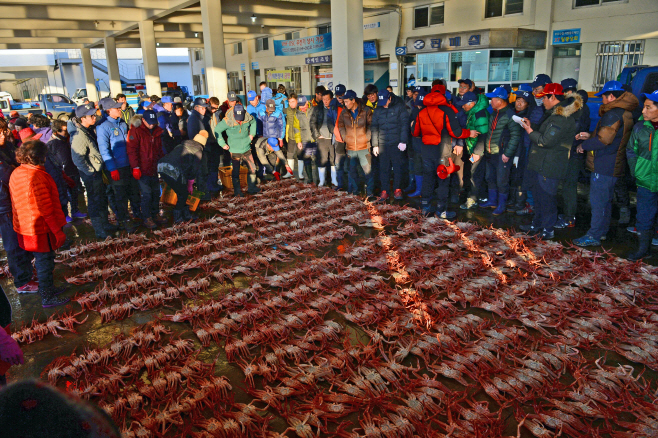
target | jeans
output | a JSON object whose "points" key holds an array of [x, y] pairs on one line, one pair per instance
{"points": [[570, 184], [126, 189], [473, 186], [364, 159], [498, 172], [326, 154], [417, 155], [601, 193], [342, 165], [19, 260], [545, 190], [96, 195], [149, 187], [44, 262], [432, 158], [237, 159], [647, 209], [180, 189], [390, 156]]}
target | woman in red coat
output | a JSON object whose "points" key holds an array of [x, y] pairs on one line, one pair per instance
{"points": [[38, 216]]}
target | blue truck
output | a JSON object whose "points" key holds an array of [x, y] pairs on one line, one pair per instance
{"points": [[57, 106]]}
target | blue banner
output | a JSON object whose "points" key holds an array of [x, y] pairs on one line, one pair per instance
{"points": [[302, 46], [566, 36]]}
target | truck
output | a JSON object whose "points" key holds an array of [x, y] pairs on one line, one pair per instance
{"points": [[7, 104], [58, 106]]}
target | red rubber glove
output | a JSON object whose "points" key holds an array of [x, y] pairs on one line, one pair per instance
{"points": [[10, 352], [115, 175], [69, 182], [61, 238], [137, 174], [190, 186]]}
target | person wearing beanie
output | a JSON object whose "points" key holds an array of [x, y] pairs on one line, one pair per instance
{"points": [[300, 139], [240, 130], [181, 168]]}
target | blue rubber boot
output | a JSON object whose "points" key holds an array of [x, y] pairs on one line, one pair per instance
{"points": [[502, 204], [412, 186], [419, 186], [492, 200]]}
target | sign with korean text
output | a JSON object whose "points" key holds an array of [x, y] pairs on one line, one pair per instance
{"points": [[566, 36], [487, 38], [243, 67], [279, 75], [371, 25], [254, 65], [324, 59], [302, 46]]}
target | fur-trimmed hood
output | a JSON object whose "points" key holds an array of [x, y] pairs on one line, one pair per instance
{"points": [[136, 121], [569, 106]]}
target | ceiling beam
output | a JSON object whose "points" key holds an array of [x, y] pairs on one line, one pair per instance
{"points": [[242, 20], [48, 40], [81, 13], [31, 23], [133, 4]]}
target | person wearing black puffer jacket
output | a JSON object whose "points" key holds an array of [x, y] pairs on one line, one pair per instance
{"points": [[389, 137]]}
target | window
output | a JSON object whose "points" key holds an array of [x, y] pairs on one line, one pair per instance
{"points": [[469, 64], [500, 66], [613, 56], [430, 15], [262, 44], [295, 84], [523, 67], [325, 28], [235, 81], [56, 98], [292, 35], [494, 8], [237, 49], [198, 54], [432, 66], [581, 3]]}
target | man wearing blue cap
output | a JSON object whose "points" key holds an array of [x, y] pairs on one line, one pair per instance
{"points": [[499, 150], [606, 156], [465, 85], [642, 154], [389, 137], [171, 135], [538, 84]]}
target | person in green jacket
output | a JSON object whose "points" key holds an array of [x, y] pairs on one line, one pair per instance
{"points": [[299, 134], [477, 118], [642, 153], [500, 147], [240, 129]]}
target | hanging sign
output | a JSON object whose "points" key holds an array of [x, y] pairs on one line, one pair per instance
{"points": [[302, 46], [279, 75], [566, 36]]}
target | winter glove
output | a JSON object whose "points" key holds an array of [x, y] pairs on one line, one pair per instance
{"points": [[375, 151], [137, 173], [190, 186], [60, 238], [10, 352], [402, 147], [67, 179], [115, 175]]}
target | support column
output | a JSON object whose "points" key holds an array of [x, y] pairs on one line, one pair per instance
{"points": [[150, 55], [90, 82], [214, 53], [112, 66], [347, 43]]}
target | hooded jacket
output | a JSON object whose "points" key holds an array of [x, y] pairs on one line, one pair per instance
{"points": [[197, 123], [272, 124], [186, 162], [477, 118], [238, 134], [355, 132], [642, 152], [7, 165], [438, 123], [145, 147], [60, 149], [390, 126], [85, 153], [606, 147], [298, 128], [254, 111], [504, 133], [551, 141], [111, 136]]}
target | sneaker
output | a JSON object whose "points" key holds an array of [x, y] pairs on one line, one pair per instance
{"points": [[79, 215], [469, 204], [59, 290], [161, 220], [383, 197], [563, 222], [587, 240], [68, 219], [546, 235], [398, 194], [28, 288], [148, 223], [277, 176], [632, 230], [371, 198], [526, 211], [447, 215], [530, 230]]}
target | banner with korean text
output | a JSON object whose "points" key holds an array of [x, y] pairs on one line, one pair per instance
{"points": [[302, 46]]}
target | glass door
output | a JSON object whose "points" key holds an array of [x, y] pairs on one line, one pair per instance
{"points": [[471, 65]]}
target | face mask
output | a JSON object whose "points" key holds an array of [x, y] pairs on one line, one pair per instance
{"points": [[539, 101]]}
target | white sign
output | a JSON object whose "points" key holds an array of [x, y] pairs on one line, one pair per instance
{"points": [[371, 25], [394, 65], [393, 83]]}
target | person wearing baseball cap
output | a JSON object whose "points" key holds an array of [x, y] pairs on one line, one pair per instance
{"points": [[643, 164], [465, 85], [240, 129], [549, 155], [414, 152], [501, 144], [389, 138], [171, 136], [271, 123], [144, 149], [538, 84], [199, 120], [299, 133], [518, 196], [606, 158]]}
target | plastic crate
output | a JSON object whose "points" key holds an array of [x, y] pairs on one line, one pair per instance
{"points": [[227, 181]]}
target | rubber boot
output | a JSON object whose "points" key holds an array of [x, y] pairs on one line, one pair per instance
{"points": [[411, 188], [289, 167], [502, 204], [237, 191], [322, 172], [334, 177], [128, 226], [519, 204], [300, 166], [426, 208], [252, 189], [189, 216], [645, 246], [492, 200], [107, 226], [419, 186], [178, 217], [48, 298], [98, 228]]}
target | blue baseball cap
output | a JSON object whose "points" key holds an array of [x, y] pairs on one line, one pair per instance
{"points": [[274, 143], [87, 109], [340, 90], [251, 96], [167, 99], [523, 94], [419, 99], [200, 101], [238, 112], [145, 103], [466, 81], [232, 96], [382, 97], [109, 103], [610, 86], [569, 83], [651, 96], [499, 92], [150, 117], [302, 100], [349, 94], [541, 80], [417, 89], [525, 87], [468, 97]]}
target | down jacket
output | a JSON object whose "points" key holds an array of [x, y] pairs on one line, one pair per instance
{"points": [[606, 148], [84, 152], [390, 126], [438, 124], [355, 132], [272, 124], [7, 165], [504, 133], [111, 136], [37, 212], [477, 118], [145, 147], [551, 141], [298, 128], [642, 152]]}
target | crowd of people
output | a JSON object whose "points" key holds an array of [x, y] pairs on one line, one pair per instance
{"points": [[380, 143]]}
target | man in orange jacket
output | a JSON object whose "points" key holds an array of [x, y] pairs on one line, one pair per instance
{"points": [[437, 124]]}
